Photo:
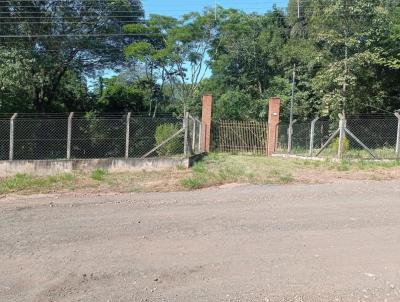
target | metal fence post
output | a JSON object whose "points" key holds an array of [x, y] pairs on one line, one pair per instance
{"points": [[12, 126], [127, 134], [186, 138], [312, 134], [69, 135], [342, 135], [290, 136], [397, 114]]}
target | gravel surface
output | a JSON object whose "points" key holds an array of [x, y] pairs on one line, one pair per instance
{"points": [[330, 242]]}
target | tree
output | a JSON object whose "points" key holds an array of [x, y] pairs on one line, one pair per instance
{"points": [[121, 96], [246, 61], [55, 39], [350, 34], [174, 51]]}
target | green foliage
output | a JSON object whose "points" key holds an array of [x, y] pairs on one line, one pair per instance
{"points": [[98, 174], [237, 105], [193, 182], [252, 57], [334, 146], [217, 169], [25, 181], [163, 132], [43, 73], [119, 96], [175, 54]]}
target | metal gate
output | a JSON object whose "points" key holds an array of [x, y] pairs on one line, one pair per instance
{"points": [[240, 137]]}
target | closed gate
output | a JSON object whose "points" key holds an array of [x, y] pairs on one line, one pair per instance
{"points": [[240, 137]]}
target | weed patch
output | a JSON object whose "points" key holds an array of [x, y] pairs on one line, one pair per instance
{"points": [[98, 174]]}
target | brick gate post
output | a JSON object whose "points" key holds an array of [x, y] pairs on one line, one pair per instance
{"points": [[274, 105], [206, 122]]}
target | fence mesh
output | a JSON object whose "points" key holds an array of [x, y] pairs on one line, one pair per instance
{"points": [[38, 137], [146, 133], [98, 137], [301, 138], [378, 135], [4, 138], [240, 137], [282, 138]]}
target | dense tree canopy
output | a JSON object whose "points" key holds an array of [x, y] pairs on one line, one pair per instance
{"points": [[345, 54], [45, 42]]}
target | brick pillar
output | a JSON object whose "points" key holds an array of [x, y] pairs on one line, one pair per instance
{"points": [[206, 122], [274, 105]]}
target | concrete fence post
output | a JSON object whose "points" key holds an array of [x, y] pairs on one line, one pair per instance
{"points": [[206, 122], [127, 134], [397, 114], [273, 121], [12, 126], [69, 134], [194, 135], [199, 138], [342, 135], [290, 136], [312, 135], [186, 134]]}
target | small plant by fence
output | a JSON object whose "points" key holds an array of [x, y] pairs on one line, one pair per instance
{"points": [[86, 136], [373, 136]]}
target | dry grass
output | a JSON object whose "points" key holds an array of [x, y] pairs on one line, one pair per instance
{"points": [[214, 170]]}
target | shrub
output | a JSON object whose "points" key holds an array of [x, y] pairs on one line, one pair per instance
{"points": [[335, 145], [163, 132], [98, 174]]}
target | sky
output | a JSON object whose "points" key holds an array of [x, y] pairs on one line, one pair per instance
{"points": [[177, 8]]}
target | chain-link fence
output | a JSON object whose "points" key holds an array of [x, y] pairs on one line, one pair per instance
{"points": [[147, 133], [282, 138], [301, 138], [362, 138], [89, 136], [379, 135], [4, 138]]}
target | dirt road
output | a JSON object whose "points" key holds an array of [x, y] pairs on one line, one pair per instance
{"points": [[331, 242]]}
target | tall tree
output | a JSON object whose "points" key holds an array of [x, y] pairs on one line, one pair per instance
{"points": [[350, 34], [175, 52], [51, 39]]}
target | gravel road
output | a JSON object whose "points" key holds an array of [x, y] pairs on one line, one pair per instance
{"points": [[329, 242]]}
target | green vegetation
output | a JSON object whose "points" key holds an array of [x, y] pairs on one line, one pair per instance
{"points": [[214, 170], [164, 61], [47, 73], [98, 174], [163, 132], [218, 169], [21, 182]]}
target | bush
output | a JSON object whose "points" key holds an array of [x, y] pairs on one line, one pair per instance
{"points": [[335, 145], [98, 174], [164, 132]]}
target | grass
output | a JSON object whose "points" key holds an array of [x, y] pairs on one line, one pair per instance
{"points": [[21, 182], [217, 169], [98, 174], [349, 153], [214, 170]]}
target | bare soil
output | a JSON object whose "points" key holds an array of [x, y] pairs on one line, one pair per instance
{"points": [[324, 242]]}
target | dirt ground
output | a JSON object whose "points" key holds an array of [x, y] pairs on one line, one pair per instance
{"points": [[324, 242]]}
